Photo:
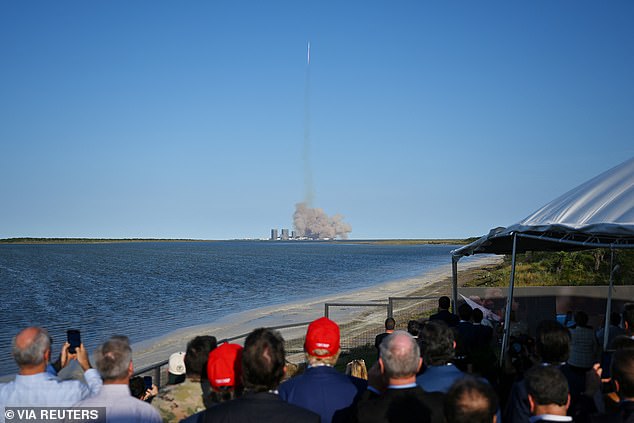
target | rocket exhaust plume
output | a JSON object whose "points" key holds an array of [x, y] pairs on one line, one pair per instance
{"points": [[313, 223]]}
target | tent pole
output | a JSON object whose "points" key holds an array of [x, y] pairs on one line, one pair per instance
{"points": [[608, 307], [509, 303], [454, 287]]}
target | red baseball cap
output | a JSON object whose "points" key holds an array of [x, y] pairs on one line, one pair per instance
{"points": [[224, 366], [322, 334]]}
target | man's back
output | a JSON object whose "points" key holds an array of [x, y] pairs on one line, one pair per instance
{"points": [[400, 405], [439, 378], [44, 389], [450, 319], [121, 406], [323, 390], [176, 402], [258, 407]]}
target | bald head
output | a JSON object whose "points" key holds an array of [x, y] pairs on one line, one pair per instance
{"points": [[31, 347], [400, 355]]}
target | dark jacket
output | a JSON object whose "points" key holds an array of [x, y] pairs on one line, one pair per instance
{"points": [[625, 414], [324, 391], [258, 407], [447, 317], [400, 406]]}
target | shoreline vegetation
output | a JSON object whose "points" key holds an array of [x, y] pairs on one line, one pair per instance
{"points": [[28, 240], [578, 268]]}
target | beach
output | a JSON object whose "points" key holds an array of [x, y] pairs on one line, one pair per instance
{"points": [[434, 283]]}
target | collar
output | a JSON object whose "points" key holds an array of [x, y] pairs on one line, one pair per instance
{"points": [[310, 366], [407, 386], [550, 418]]}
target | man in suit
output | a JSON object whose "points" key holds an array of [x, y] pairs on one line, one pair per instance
{"points": [[321, 388], [552, 344], [471, 401], [262, 370], [444, 314], [548, 394], [393, 395], [483, 356], [390, 325], [623, 379], [465, 336], [438, 351]]}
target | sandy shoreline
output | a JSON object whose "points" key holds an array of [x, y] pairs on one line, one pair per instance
{"points": [[431, 282]]}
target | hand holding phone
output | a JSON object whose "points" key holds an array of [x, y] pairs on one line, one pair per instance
{"points": [[74, 339]]}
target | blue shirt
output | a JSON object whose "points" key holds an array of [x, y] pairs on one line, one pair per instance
{"points": [[45, 390], [439, 378]]}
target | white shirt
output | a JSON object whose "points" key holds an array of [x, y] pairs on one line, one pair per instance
{"points": [[46, 390], [550, 418], [121, 406]]}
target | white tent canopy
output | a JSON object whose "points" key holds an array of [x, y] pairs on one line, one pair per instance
{"points": [[597, 214]]}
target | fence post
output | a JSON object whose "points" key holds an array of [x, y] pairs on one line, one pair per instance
{"points": [[326, 310], [157, 376], [390, 307]]}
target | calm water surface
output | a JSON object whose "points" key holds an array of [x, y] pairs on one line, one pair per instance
{"points": [[145, 290]]}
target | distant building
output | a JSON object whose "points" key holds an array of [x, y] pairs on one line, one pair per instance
{"points": [[284, 235], [273, 234], [293, 235]]}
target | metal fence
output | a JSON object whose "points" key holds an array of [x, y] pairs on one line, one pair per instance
{"points": [[356, 332]]}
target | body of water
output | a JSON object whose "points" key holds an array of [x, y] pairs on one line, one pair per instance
{"points": [[146, 290]]}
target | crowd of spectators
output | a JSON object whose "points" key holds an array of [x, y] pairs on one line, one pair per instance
{"points": [[440, 370]]}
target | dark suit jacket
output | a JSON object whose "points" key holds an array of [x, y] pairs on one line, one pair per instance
{"points": [[624, 415], [447, 317], [400, 406], [483, 335], [518, 409], [465, 339], [323, 390], [258, 407]]}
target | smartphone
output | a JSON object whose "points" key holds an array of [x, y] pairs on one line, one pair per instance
{"points": [[74, 339], [148, 382]]}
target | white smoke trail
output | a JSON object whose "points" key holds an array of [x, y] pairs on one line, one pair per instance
{"points": [[313, 223], [308, 173]]}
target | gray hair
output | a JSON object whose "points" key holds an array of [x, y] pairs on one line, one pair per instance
{"points": [[113, 358], [33, 353], [400, 354]]}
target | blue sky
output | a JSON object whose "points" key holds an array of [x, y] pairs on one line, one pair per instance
{"points": [[426, 119]]}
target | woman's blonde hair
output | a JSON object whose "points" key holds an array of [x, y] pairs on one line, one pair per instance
{"points": [[357, 368]]}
